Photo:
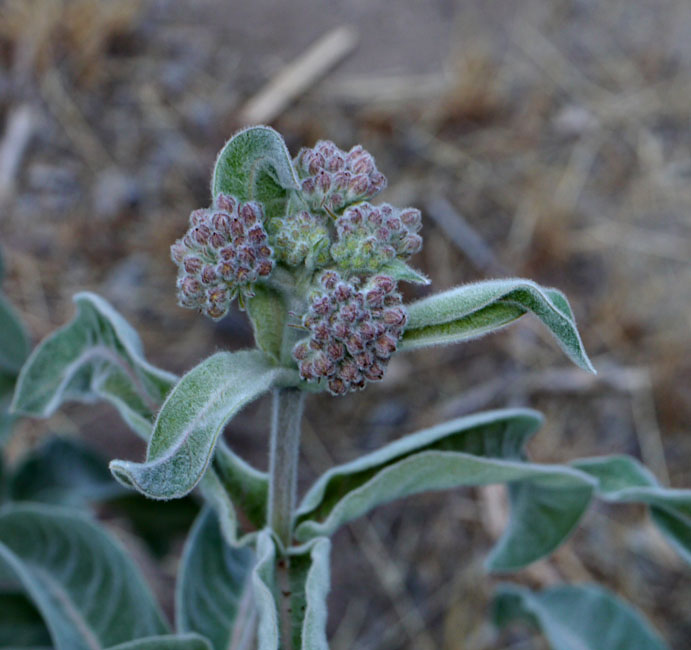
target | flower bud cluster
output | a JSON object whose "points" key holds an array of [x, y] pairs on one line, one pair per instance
{"points": [[353, 331], [371, 236], [301, 237], [332, 179], [224, 251]]}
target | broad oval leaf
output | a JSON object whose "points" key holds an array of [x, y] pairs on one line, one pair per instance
{"points": [[14, 344], [167, 642], [472, 310], [97, 356], [88, 591], [214, 590], [192, 418], [255, 165], [577, 617]]}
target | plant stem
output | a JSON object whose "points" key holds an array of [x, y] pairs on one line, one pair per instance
{"points": [[283, 464], [283, 461]]}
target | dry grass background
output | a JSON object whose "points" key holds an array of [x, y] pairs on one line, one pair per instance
{"points": [[543, 139]]}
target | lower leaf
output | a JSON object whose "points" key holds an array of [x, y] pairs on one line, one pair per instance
{"points": [[169, 642], [577, 617]]}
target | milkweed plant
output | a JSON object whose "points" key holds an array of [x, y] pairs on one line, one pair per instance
{"points": [[300, 245]]}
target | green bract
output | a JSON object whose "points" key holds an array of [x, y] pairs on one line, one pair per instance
{"points": [[316, 266]]}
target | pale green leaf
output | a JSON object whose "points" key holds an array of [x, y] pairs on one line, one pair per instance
{"points": [[192, 418], [88, 591], [214, 590], [402, 272], [309, 577], [267, 312], [264, 588], [472, 310], [622, 479], [63, 471], [255, 165], [97, 356], [14, 344], [21, 624], [167, 642], [577, 617]]}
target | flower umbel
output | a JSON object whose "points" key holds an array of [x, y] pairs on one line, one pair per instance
{"points": [[353, 332], [223, 253]]}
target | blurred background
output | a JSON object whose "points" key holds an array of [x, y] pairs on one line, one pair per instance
{"points": [[544, 139]]}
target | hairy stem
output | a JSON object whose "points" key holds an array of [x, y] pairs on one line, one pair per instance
{"points": [[283, 463]]}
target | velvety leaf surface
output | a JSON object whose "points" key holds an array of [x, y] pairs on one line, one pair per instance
{"points": [[402, 272], [98, 355], [472, 310], [309, 577], [214, 589], [168, 642], [14, 344], [263, 586], [268, 313], [577, 617], [192, 418], [255, 165], [88, 591]]}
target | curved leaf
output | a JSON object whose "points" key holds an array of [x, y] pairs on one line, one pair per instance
{"points": [[98, 355], [14, 344], [577, 617], [168, 642], [268, 314], [192, 418], [263, 585], [255, 165], [88, 591], [472, 310], [309, 576], [499, 434], [214, 595], [622, 479]]}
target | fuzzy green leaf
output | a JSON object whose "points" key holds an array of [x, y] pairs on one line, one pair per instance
{"points": [[402, 272], [264, 588], [255, 165], [88, 591], [168, 642], [6, 418], [267, 312], [97, 356], [472, 310], [309, 577], [214, 594], [622, 479], [14, 344], [577, 617], [63, 471], [192, 418]]}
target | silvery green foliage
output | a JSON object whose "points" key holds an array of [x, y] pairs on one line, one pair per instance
{"points": [[192, 418], [472, 310], [214, 591], [308, 581], [578, 617], [97, 356], [87, 590]]}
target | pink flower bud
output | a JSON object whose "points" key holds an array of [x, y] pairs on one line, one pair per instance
{"points": [[226, 203]]}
